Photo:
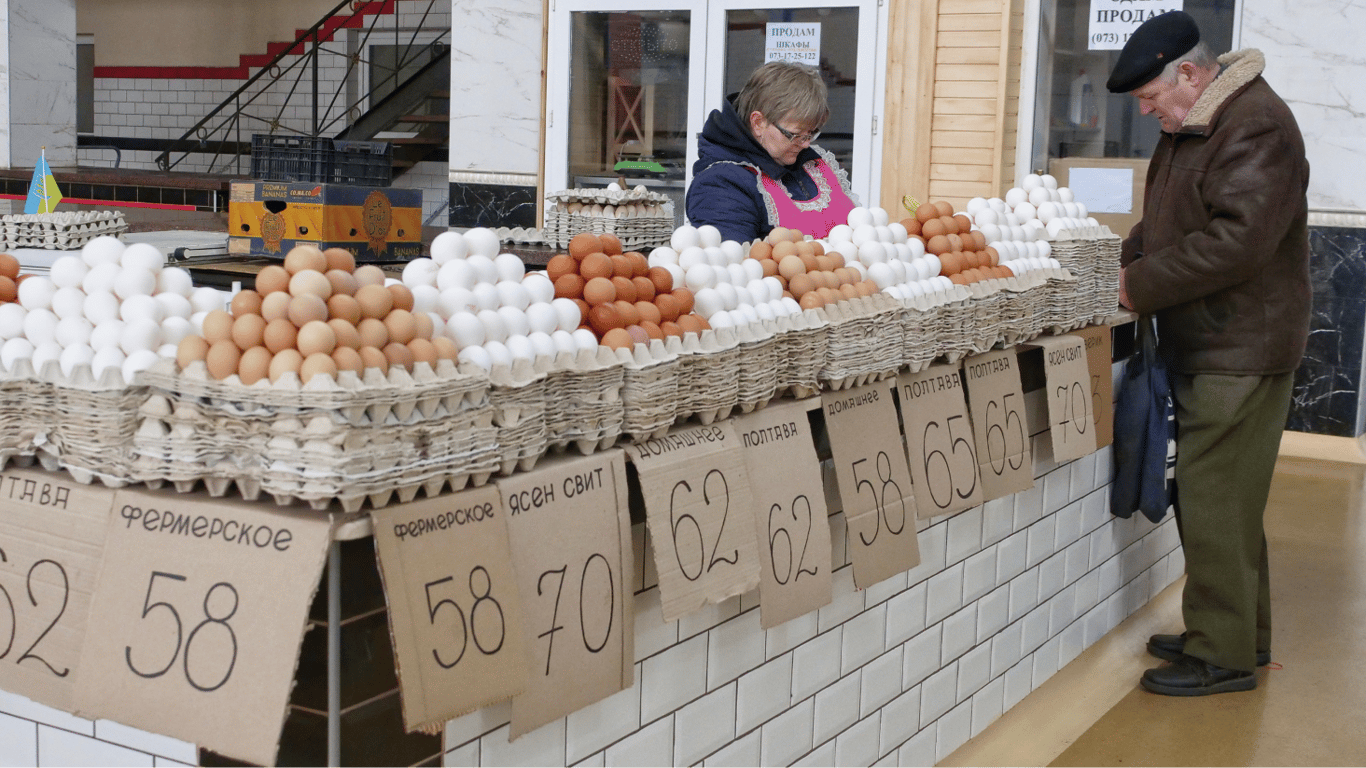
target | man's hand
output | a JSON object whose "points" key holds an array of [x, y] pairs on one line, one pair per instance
{"points": [[1124, 291]]}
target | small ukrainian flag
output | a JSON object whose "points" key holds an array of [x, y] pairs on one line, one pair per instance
{"points": [[43, 194]]}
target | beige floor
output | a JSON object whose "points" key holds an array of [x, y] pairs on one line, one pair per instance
{"points": [[1309, 708]]}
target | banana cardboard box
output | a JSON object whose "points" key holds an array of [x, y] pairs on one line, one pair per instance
{"points": [[267, 218]]}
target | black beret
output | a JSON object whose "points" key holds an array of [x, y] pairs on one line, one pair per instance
{"points": [[1154, 44]]}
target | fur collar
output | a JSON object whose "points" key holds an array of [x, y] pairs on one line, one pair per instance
{"points": [[1240, 68]]}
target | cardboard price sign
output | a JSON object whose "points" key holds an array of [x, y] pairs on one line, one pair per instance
{"points": [[52, 533], [996, 403], [1069, 396], [939, 440], [698, 508], [1099, 351], [569, 525], [874, 482], [790, 515], [454, 611], [197, 617]]}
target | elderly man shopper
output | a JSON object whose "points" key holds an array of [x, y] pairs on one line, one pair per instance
{"points": [[1221, 258]]}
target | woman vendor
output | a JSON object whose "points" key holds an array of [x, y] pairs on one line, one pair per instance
{"points": [[757, 167]]}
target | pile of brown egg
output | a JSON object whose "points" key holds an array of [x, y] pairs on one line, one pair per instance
{"points": [[964, 256], [808, 274]]}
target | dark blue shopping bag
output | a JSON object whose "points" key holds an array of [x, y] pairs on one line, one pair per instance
{"points": [[1145, 433]]}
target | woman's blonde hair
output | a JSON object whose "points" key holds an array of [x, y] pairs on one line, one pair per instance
{"points": [[781, 90]]}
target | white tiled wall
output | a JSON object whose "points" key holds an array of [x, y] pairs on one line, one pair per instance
{"points": [[32, 734], [902, 673]]}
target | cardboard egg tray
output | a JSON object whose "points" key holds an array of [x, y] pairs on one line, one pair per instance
{"points": [[1108, 248], [988, 326], [920, 327], [1065, 308], [708, 375], [60, 230], [1021, 313], [634, 232], [958, 316], [517, 395], [649, 390], [585, 390], [800, 353], [26, 413], [758, 379], [864, 341]]}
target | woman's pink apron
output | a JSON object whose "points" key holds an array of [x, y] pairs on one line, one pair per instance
{"points": [[817, 216]]}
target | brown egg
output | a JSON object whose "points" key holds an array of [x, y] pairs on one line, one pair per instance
{"points": [[937, 245], [272, 278], [671, 328], [276, 305], [445, 348], [310, 282], [584, 243], [992, 255], [375, 301], [192, 349], [340, 258], [343, 283], [279, 334], [423, 351], [595, 265], [925, 212], [348, 359], [245, 302], [9, 290], [569, 286], [782, 250], [811, 300], [958, 279], [944, 208], [247, 331], [964, 223], [305, 309], [648, 312], [625, 289], [344, 307], [302, 257], [848, 291], [372, 357], [217, 326], [950, 264], [955, 242], [769, 266], [626, 312], [645, 288], [373, 333], [640, 266], [979, 240], [316, 337], [950, 225], [399, 356], [652, 330], [603, 318], [423, 326], [912, 226], [778, 235], [618, 338], [345, 333], [638, 335], [254, 365], [222, 359], [804, 249], [685, 300], [402, 328], [9, 266], [598, 291], [559, 266], [402, 296], [933, 228], [583, 308], [369, 274], [285, 361], [668, 308], [809, 260], [791, 265], [690, 323], [317, 365], [825, 264], [760, 250], [1006, 271], [800, 285], [611, 244], [621, 266], [662, 278]]}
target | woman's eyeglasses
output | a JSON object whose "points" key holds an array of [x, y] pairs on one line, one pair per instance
{"points": [[799, 138]]}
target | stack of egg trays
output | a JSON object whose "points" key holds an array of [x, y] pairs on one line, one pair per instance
{"points": [[585, 388], [349, 439], [708, 374], [958, 317], [93, 423], [758, 378], [1078, 256], [518, 396], [800, 353], [1108, 247], [27, 412], [921, 326], [988, 304], [1020, 311], [865, 341], [1065, 309], [59, 230], [649, 390]]}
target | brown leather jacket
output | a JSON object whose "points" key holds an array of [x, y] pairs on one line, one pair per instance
{"points": [[1222, 253]]}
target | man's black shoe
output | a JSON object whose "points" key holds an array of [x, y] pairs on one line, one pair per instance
{"points": [[1169, 647], [1189, 676]]}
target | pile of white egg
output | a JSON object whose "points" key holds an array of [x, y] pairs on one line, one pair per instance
{"points": [[489, 305], [885, 253], [729, 290], [111, 306]]}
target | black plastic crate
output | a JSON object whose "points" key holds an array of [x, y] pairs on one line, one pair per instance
{"points": [[322, 160]]}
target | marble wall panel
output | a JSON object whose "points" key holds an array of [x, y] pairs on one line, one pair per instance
{"points": [[496, 86], [1330, 390], [41, 72]]}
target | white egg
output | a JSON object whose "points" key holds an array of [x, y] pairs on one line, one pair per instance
{"points": [[775, 288], [716, 257], [899, 268], [40, 325], [1049, 181], [721, 320], [68, 271], [495, 329], [47, 352], [509, 267], [864, 234], [485, 271], [512, 294], [898, 230], [519, 347], [173, 305], [692, 256], [729, 299], [438, 324], [486, 296], [425, 298], [498, 353], [454, 300], [661, 256], [1031, 181], [707, 302], [752, 269], [1025, 210], [871, 253], [465, 329], [1045, 249], [174, 329], [880, 216], [476, 355], [515, 321], [107, 334], [141, 308], [884, 233], [137, 362], [764, 311], [585, 338], [104, 359], [457, 273], [206, 299], [841, 233], [917, 247], [882, 274], [542, 318], [447, 247], [68, 302], [977, 204], [168, 351], [742, 296], [860, 217], [757, 289], [735, 253], [541, 344], [676, 272], [140, 335], [143, 256], [684, 237], [895, 292], [104, 249], [11, 320], [174, 280], [197, 321], [735, 274], [539, 287], [700, 276], [74, 355], [1038, 196], [420, 271], [567, 313], [481, 241], [73, 330], [15, 350], [933, 264], [36, 293], [1015, 196], [564, 341], [1064, 194], [708, 236]]}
